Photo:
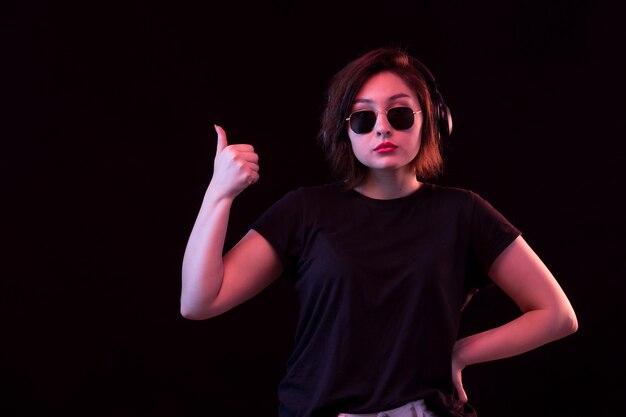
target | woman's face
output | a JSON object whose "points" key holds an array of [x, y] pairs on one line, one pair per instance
{"points": [[386, 146]]}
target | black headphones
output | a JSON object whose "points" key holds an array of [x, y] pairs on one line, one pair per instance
{"points": [[441, 112]]}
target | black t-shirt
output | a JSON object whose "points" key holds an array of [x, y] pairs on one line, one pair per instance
{"points": [[381, 284]]}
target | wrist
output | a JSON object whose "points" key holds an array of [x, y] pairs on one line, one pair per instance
{"points": [[458, 353], [217, 195]]}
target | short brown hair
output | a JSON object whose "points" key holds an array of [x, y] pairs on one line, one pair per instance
{"points": [[342, 90]]}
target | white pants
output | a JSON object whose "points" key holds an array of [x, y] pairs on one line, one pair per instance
{"points": [[412, 409]]}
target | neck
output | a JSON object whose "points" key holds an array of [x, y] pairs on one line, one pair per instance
{"points": [[388, 185]]}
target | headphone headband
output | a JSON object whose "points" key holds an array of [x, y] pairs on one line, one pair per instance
{"points": [[442, 116]]}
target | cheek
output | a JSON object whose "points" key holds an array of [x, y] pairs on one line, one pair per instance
{"points": [[418, 146], [415, 151], [358, 148], [418, 143]]}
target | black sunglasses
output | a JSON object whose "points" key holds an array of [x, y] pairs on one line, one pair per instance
{"points": [[400, 118]]}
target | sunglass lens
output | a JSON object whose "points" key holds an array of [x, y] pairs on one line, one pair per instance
{"points": [[401, 118], [362, 121]]}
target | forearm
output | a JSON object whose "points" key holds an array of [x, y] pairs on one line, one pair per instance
{"points": [[202, 270], [529, 331]]}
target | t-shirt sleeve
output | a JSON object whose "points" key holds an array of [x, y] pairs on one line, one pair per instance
{"points": [[491, 233], [280, 225]]}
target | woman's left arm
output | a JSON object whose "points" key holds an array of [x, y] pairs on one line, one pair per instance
{"points": [[547, 312]]}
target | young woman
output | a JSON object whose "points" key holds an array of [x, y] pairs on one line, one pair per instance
{"points": [[382, 260]]}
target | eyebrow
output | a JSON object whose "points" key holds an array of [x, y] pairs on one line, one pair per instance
{"points": [[394, 97]]}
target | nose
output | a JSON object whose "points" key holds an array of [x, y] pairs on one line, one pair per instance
{"points": [[382, 126]]}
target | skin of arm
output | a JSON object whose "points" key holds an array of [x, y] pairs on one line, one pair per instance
{"points": [[547, 314], [213, 283]]}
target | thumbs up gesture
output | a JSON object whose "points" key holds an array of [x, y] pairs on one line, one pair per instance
{"points": [[236, 166]]}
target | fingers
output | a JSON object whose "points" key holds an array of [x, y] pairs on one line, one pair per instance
{"points": [[457, 380], [253, 177], [462, 394], [240, 154], [246, 151]]}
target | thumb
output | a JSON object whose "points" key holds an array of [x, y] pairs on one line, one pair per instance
{"points": [[221, 138]]}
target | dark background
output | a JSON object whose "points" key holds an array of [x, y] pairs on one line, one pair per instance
{"points": [[107, 148]]}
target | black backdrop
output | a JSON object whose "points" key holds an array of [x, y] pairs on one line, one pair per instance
{"points": [[107, 147]]}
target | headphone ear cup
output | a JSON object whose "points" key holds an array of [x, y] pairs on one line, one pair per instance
{"points": [[443, 118], [444, 121]]}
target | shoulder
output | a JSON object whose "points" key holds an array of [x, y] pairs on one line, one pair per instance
{"points": [[451, 194], [454, 201]]}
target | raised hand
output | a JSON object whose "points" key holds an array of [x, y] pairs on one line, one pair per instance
{"points": [[236, 167]]}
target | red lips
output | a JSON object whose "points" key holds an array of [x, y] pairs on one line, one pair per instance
{"points": [[385, 147]]}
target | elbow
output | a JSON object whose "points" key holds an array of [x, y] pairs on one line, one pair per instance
{"points": [[191, 311], [191, 314], [195, 304], [195, 312], [567, 322], [572, 322]]}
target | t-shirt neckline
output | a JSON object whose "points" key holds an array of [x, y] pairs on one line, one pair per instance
{"points": [[390, 201]]}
